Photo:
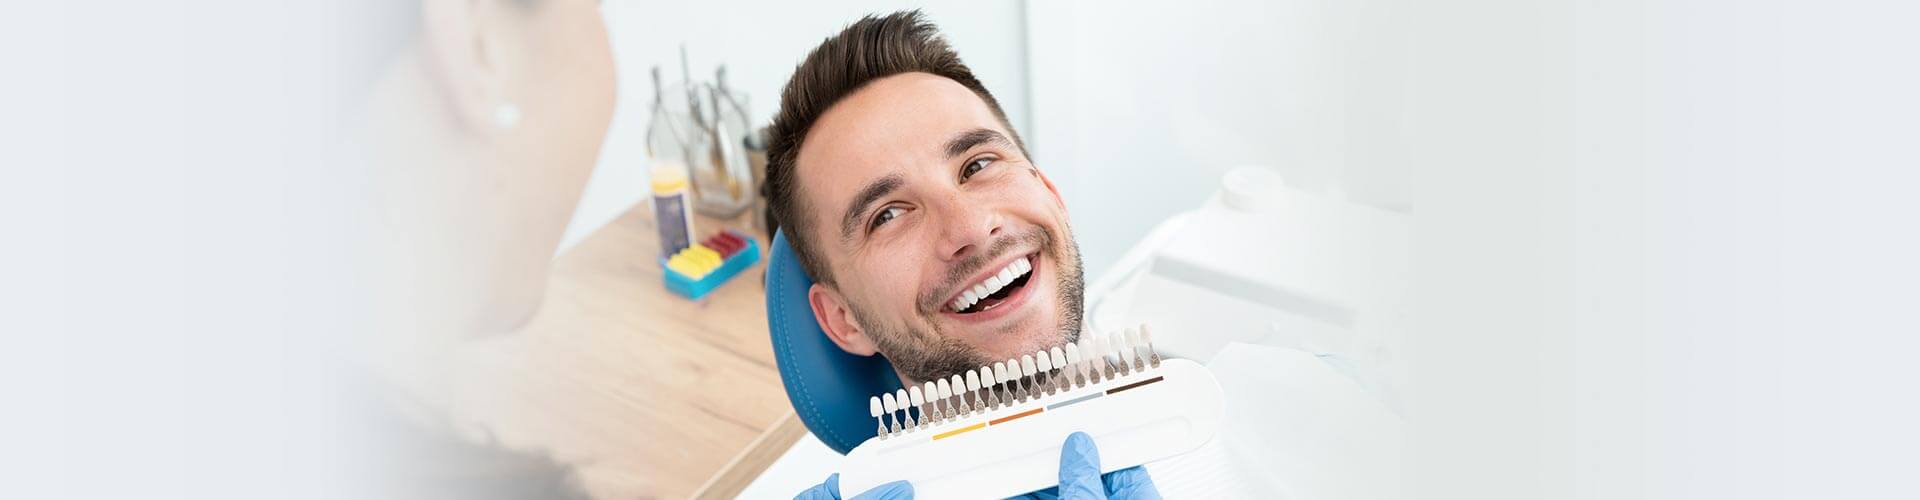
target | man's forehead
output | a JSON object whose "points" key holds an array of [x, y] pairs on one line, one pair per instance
{"points": [[892, 126]]}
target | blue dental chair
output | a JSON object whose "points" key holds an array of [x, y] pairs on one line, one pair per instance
{"points": [[828, 387]]}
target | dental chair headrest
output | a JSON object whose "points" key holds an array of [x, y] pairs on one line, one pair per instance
{"points": [[828, 387]]}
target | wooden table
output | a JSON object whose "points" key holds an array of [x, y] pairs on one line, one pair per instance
{"points": [[642, 392]]}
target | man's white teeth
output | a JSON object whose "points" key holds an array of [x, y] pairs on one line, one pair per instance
{"points": [[1014, 270]]}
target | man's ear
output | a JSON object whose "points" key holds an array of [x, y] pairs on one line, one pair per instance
{"points": [[463, 46], [1050, 188], [835, 318]]}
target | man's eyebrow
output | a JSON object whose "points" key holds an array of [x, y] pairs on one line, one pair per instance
{"points": [[867, 195], [967, 140]]}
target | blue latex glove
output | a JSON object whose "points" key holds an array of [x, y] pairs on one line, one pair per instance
{"points": [[1080, 477], [830, 490]]}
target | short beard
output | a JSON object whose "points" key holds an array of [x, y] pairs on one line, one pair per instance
{"points": [[929, 356]]}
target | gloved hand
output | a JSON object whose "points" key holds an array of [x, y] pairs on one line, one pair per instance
{"points": [[1080, 477], [830, 490]]}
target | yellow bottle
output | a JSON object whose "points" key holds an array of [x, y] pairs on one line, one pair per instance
{"points": [[670, 215]]}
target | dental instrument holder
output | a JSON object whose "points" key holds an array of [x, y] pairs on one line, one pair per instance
{"points": [[704, 126]]}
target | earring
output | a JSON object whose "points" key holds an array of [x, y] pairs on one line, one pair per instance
{"points": [[506, 116]]}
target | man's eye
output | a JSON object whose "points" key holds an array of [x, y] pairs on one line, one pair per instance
{"points": [[885, 215], [974, 167]]}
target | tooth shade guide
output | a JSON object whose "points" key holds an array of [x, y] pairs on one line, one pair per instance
{"points": [[1023, 378], [983, 453]]}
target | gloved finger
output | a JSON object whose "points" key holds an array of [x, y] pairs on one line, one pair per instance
{"points": [[897, 490], [1080, 469], [1131, 483], [829, 490]]}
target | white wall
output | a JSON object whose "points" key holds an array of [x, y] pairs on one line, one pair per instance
{"points": [[760, 44], [1139, 108]]}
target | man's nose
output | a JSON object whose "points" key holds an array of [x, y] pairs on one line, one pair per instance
{"points": [[968, 228]]}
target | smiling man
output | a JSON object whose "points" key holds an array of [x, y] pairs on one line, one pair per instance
{"points": [[932, 239], [909, 198]]}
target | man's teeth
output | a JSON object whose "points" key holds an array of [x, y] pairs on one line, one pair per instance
{"points": [[1014, 270]]}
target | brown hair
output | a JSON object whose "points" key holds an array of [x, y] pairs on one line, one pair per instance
{"points": [[867, 50]]}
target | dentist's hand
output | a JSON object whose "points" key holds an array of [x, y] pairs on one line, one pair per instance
{"points": [[830, 490], [1080, 477]]}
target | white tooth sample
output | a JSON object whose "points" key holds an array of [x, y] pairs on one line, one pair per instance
{"points": [[1043, 364], [1106, 354], [1125, 351], [933, 399], [1087, 356], [937, 399], [999, 372], [1133, 349], [960, 389], [1078, 363], [1095, 351], [1027, 390], [1059, 358], [973, 381], [1146, 342], [893, 405], [900, 395], [873, 406], [1073, 357], [986, 384], [919, 401]]}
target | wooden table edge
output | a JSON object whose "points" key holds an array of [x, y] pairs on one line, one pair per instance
{"points": [[760, 454]]}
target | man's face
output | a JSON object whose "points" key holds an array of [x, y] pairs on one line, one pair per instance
{"points": [[918, 201]]}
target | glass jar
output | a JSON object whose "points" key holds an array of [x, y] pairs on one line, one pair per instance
{"points": [[704, 131]]}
